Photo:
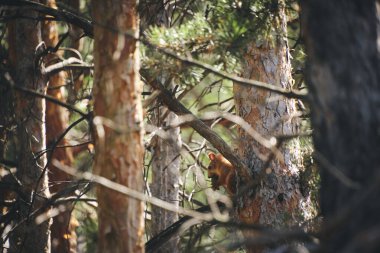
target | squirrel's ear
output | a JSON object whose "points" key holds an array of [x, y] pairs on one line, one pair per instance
{"points": [[211, 156]]}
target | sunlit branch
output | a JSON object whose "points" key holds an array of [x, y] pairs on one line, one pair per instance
{"points": [[67, 64], [136, 194]]}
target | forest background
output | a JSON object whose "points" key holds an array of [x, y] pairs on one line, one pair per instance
{"points": [[109, 111]]}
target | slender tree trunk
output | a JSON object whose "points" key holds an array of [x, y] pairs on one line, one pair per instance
{"points": [[63, 231], [278, 201], [118, 125], [344, 77], [165, 180], [29, 236], [166, 152]]}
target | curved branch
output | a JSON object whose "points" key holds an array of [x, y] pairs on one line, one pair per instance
{"points": [[70, 63], [60, 14]]}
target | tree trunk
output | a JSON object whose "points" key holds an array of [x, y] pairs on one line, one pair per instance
{"points": [[63, 231], [278, 201], [166, 152], [28, 236], [165, 178], [118, 125], [344, 77]]}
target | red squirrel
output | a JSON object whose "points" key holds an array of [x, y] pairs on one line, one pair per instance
{"points": [[222, 173]]}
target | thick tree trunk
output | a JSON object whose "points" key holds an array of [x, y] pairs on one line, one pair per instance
{"points": [[118, 125], [344, 77], [278, 202], [28, 236], [63, 231]]}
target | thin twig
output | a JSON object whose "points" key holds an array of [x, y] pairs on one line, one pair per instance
{"points": [[133, 193]]}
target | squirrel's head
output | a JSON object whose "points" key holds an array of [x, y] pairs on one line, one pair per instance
{"points": [[214, 170]]}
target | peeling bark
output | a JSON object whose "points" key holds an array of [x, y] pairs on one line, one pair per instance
{"points": [[119, 151]]}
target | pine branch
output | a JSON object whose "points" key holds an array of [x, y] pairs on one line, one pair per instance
{"points": [[236, 79], [87, 26]]}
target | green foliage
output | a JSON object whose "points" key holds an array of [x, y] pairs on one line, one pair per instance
{"points": [[216, 33], [195, 36], [238, 23]]}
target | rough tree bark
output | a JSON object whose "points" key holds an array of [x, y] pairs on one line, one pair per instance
{"points": [[278, 202], [28, 236], [342, 39], [63, 231], [118, 125]]}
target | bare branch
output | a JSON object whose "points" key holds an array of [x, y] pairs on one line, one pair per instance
{"points": [[70, 63], [204, 130], [267, 143], [133, 193]]}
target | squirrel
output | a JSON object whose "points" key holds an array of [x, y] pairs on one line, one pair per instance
{"points": [[222, 173]]}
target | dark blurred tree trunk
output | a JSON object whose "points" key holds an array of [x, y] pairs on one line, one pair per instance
{"points": [[63, 231], [7, 153], [24, 38], [278, 201], [118, 125], [344, 77]]}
